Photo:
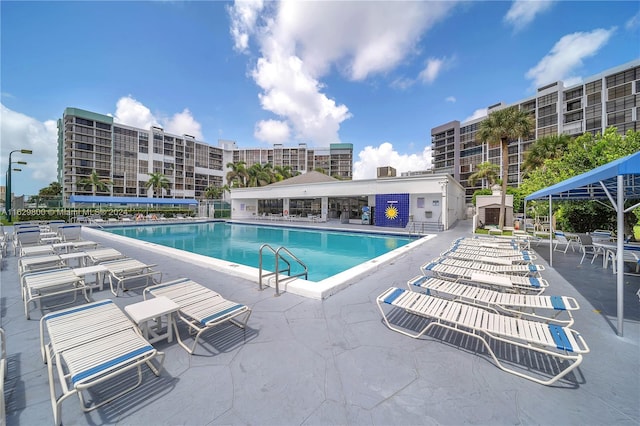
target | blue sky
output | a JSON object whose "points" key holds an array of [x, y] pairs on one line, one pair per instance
{"points": [[375, 74]]}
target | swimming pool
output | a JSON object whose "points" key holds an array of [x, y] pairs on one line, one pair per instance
{"points": [[326, 253]]}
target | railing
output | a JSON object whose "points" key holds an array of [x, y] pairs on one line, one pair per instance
{"points": [[424, 227], [278, 271]]}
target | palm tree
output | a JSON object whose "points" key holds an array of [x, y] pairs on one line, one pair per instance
{"points": [[237, 176], [502, 126], [546, 148], [213, 192], [486, 170], [95, 182], [259, 175], [157, 181], [283, 172]]}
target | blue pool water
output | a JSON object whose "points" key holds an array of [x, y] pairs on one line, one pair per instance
{"points": [[325, 253]]}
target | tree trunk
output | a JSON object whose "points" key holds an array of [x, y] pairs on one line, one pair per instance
{"points": [[505, 177]]}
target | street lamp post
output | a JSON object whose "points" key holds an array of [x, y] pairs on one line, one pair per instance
{"points": [[8, 188]]}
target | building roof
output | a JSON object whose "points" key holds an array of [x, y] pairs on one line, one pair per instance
{"points": [[128, 200], [306, 178]]}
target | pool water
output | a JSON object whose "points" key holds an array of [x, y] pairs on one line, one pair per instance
{"points": [[325, 253]]}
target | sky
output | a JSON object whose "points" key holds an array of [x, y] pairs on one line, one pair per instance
{"points": [[376, 74]]}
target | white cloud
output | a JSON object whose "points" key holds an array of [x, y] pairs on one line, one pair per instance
{"points": [[19, 131], [272, 131], [244, 15], [297, 50], [433, 68], [183, 123], [523, 12], [451, 99], [567, 55], [633, 22], [134, 113], [370, 158], [479, 113]]}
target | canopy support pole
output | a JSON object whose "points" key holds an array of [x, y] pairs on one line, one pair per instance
{"points": [[620, 256], [551, 232]]}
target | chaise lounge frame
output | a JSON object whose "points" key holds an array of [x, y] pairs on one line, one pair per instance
{"points": [[555, 341], [201, 308], [89, 345]]}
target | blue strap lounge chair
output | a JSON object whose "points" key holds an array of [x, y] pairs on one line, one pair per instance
{"points": [[559, 343], [201, 308], [89, 345]]}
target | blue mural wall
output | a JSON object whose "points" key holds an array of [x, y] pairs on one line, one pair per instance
{"points": [[392, 210]]}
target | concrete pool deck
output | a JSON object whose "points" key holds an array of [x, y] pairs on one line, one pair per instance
{"points": [[333, 361]]}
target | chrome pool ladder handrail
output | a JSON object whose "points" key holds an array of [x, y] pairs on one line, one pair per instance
{"points": [[278, 271]]}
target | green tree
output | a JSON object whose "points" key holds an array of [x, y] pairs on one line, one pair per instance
{"points": [[485, 170], [283, 172], [158, 182], [545, 148], [237, 177], [213, 192], [95, 182], [501, 127], [260, 175]]}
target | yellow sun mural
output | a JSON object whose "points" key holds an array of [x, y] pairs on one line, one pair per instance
{"points": [[391, 212]]}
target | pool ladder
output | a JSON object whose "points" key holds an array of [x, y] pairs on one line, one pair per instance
{"points": [[278, 271]]}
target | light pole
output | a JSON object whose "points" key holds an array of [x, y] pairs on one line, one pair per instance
{"points": [[8, 188]]}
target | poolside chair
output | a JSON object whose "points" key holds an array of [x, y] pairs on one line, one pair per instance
{"points": [[70, 232], [26, 238], [201, 308], [127, 269], [548, 309], [55, 282], [479, 265], [3, 375], [562, 343], [502, 282], [102, 255], [89, 345], [561, 239], [586, 246], [488, 257]]}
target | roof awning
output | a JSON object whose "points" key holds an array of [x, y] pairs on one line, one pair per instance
{"points": [[130, 200], [618, 181]]}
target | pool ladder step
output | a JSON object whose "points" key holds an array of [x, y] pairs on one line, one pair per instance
{"points": [[287, 269]]}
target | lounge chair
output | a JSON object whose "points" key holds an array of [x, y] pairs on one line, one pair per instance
{"points": [[70, 232], [26, 238], [522, 270], [586, 246], [126, 269], [201, 308], [561, 343], [502, 282], [37, 285], [3, 375], [555, 309], [488, 257], [561, 240], [89, 345], [103, 255]]}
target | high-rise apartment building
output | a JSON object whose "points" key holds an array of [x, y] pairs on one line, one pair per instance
{"points": [[126, 155], [611, 98]]}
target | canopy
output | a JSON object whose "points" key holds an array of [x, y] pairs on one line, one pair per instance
{"points": [[129, 200], [597, 182], [618, 180]]}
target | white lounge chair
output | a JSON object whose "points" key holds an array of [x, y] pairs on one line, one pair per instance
{"points": [[89, 345], [201, 308], [522, 270], [70, 232], [561, 240], [37, 285], [562, 343], [555, 309], [26, 238], [487, 257], [502, 282], [127, 269]]}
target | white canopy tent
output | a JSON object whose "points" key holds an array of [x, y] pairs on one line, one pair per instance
{"points": [[617, 181]]}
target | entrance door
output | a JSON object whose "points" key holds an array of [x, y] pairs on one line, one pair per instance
{"points": [[492, 216]]}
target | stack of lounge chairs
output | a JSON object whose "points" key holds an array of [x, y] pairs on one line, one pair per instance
{"points": [[490, 289], [91, 344]]}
